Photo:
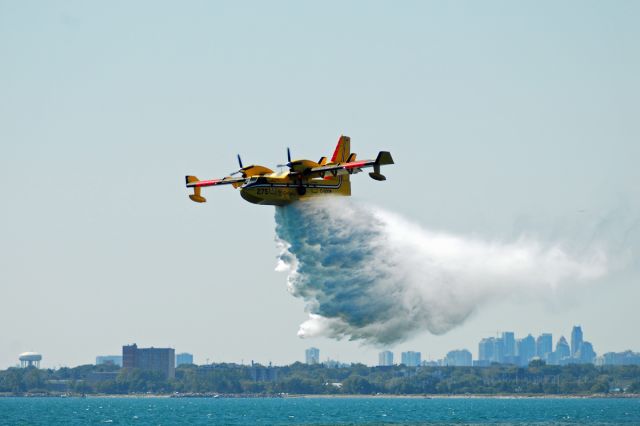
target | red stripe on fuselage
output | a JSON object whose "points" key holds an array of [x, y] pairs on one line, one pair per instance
{"points": [[355, 164], [207, 182]]}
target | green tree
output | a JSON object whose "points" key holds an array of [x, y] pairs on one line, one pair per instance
{"points": [[32, 379], [12, 380], [634, 387], [357, 385], [301, 385]]}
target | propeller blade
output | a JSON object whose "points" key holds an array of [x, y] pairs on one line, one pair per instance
{"points": [[239, 160], [288, 159]]}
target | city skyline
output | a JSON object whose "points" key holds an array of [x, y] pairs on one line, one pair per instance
{"points": [[511, 346]]}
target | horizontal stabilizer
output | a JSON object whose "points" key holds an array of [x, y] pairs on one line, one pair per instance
{"points": [[384, 157], [191, 181]]}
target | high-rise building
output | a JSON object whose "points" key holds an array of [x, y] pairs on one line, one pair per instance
{"points": [[509, 343], [619, 358], [184, 358], [109, 359], [385, 358], [458, 358], [586, 354], [562, 350], [486, 349], [162, 360], [411, 358], [576, 339], [498, 350], [312, 356], [526, 349], [544, 345]]}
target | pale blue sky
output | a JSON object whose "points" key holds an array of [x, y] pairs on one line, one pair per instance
{"points": [[503, 118]]}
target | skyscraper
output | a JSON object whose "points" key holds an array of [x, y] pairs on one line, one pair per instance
{"points": [[526, 349], [411, 358], [586, 354], [385, 358], [562, 350], [312, 356], [458, 358], [544, 345], [162, 360], [509, 343], [498, 350], [576, 339], [485, 349]]}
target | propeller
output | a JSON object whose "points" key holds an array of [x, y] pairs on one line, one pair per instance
{"points": [[288, 159], [240, 164]]}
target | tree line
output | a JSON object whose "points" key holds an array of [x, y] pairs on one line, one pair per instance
{"points": [[298, 378]]}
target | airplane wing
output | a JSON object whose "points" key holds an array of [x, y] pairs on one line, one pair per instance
{"points": [[197, 184], [384, 158]]}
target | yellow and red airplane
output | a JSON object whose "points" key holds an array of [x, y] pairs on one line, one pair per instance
{"points": [[305, 179]]}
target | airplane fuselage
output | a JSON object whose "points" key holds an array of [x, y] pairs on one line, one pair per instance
{"points": [[283, 191]]}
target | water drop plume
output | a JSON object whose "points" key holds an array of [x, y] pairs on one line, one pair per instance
{"points": [[370, 275]]}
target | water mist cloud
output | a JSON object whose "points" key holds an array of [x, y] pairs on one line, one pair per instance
{"points": [[370, 275]]}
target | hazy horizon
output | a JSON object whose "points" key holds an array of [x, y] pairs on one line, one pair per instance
{"points": [[507, 121]]}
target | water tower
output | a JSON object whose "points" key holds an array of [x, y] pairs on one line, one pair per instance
{"points": [[30, 359]]}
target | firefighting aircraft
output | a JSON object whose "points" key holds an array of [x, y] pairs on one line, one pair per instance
{"points": [[305, 179]]}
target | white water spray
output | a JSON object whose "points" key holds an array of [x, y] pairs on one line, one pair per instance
{"points": [[370, 275]]}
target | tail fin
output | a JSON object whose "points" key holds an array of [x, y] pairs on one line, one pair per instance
{"points": [[342, 151], [196, 189], [384, 158]]}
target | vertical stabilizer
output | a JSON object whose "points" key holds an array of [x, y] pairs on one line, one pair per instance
{"points": [[342, 151]]}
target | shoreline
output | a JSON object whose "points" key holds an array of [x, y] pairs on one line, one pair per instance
{"points": [[470, 396], [328, 396]]}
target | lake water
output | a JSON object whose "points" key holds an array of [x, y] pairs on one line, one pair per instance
{"points": [[317, 411]]}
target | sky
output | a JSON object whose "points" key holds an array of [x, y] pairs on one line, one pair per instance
{"points": [[504, 118]]}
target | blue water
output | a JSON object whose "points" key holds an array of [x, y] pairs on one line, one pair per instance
{"points": [[316, 411]]}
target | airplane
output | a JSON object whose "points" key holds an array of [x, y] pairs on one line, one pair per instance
{"points": [[304, 180]]}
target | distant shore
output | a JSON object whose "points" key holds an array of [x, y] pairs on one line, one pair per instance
{"points": [[472, 396], [329, 396]]}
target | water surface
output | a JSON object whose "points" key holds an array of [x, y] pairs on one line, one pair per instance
{"points": [[318, 411]]}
